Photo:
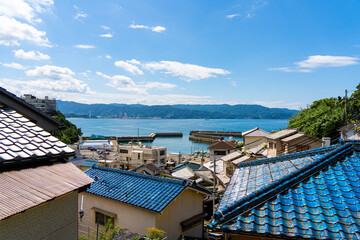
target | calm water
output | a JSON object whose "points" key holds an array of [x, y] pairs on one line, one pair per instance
{"points": [[130, 127]]}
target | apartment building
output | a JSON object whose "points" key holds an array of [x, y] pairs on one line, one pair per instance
{"points": [[45, 104], [136, 155]]}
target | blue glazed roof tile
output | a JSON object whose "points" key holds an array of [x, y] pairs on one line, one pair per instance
{"points": [[312, 194], [145, 191]]}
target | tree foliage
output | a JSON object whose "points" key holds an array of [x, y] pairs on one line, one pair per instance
{"points": [[325, 116], [70, 134], [320, 119]]}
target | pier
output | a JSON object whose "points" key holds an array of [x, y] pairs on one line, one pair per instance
{"points": [[211, 136], [205, 138], [218, 133], [148, 138]]}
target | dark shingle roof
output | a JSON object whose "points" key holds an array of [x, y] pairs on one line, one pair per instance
{"points": [[145, 191], [310, 194], [23, 141]]}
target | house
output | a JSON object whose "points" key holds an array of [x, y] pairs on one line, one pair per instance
{"points": [[45, 104], [191, 165], [289, 141], [227, 165], [96, 145], [221, 148], [149, 169], [84, 164], [349, 131], [39, 187], [254, 137], [312, 194], [139, 201], [136, 155]]}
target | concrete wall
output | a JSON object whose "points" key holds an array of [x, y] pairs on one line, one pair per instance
{"points": [[188, 204], [56, 219], [133, 218]]}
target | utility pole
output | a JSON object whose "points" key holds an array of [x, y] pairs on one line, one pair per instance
{"points": [[345, 106]]}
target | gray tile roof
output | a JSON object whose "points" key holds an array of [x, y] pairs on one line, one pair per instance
{"points": [[23, 141], [255, 132], [282, 134]]}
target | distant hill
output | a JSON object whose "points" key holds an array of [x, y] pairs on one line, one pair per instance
{"points": [[180, 111]]}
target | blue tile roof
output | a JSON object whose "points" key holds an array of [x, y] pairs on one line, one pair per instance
{"points": [[312, 194], [191, 165], [145, 191]]}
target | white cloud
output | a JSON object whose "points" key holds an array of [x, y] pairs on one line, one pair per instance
{"points": [[158, 29], [108, 56], [126, 84], [138, 26], [129, 65], [231, 16], [16, 9], [55, 78], [327, 61], [82, 46], [233, 83], [288, 69], [319, 61], [188, 71], [106, 27], [40, 5], [80, 15], [12, 31], [14, 65], [33, 55], [107, 35]]}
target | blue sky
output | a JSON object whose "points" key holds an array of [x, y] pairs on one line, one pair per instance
{"points": [[277, 53]]}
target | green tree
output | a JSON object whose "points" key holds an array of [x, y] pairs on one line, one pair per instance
{"points": [[320, 119], [155, 234], [70, 134]]}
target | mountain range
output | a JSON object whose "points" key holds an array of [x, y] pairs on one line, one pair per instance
{"points": [[180, 111]]}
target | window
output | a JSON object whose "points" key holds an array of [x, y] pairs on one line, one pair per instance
{"points": [[283, 147], [300, 148], [123, 151], [162, 152], [103, 219], [138, 155], [271, 145], [223, 153]]}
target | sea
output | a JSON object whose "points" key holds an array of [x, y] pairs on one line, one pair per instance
{"points": [[144, 127]]}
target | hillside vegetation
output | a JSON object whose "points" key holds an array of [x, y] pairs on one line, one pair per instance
{"points": [[325, 116], [73, 109]]}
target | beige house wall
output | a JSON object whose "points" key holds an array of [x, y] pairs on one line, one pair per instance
{"points": [[133, 218], [256, 140], [188, 204], [55, 219], [291, 146], [273, 152]]}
